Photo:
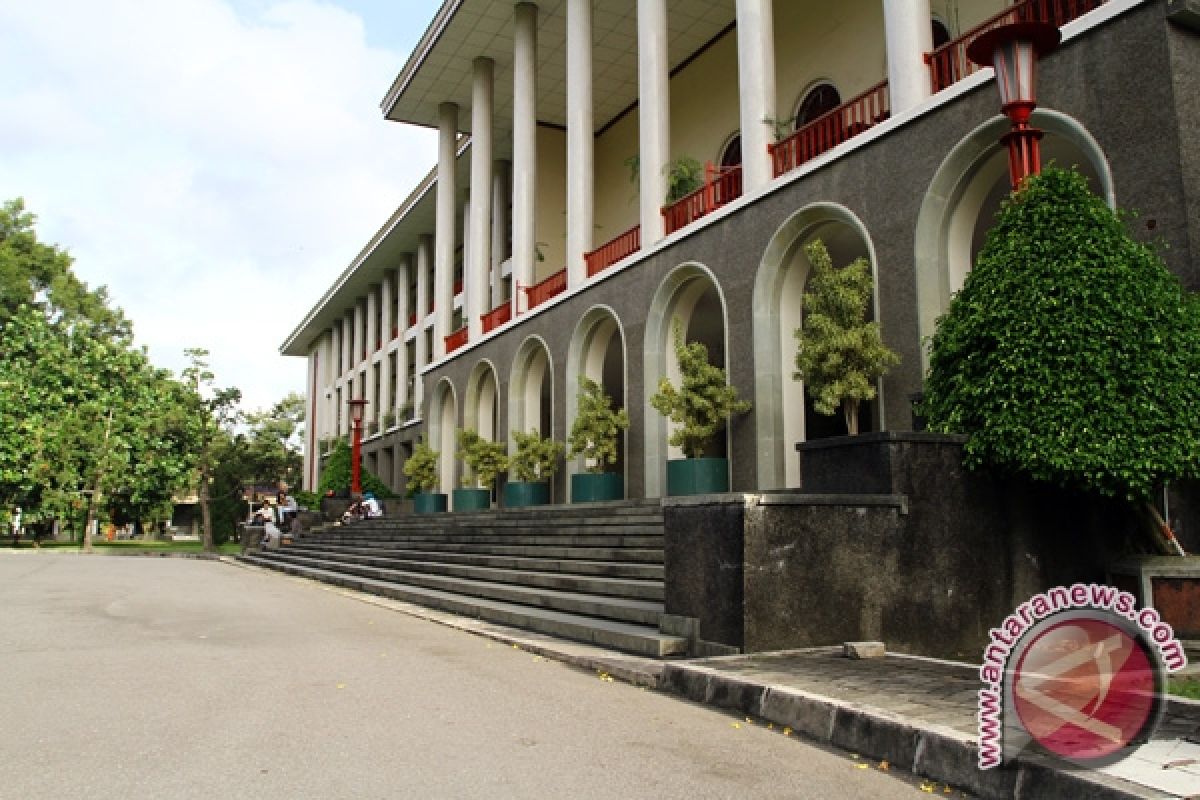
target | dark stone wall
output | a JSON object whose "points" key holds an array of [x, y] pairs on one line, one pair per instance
{"points": [[704, 557]]}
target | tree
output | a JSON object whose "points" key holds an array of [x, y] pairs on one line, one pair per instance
{"points": [[1071, 355], [596, 428], [536, 458], [213, 413], [703, 401], [335, 476], [274, 441], [839, 354], [484, 458]]}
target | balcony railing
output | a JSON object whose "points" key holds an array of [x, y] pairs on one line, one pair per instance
{"points": [[832, 128], [541, 292], [610, 253], [949, 64], [458, 286], [412, 319], [722, 185], [456, 340], [497, 316]]}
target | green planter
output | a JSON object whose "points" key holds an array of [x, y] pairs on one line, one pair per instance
{"points": [[519, 494], [472, 499], [597, 487], [697, 476], [429, 502]]}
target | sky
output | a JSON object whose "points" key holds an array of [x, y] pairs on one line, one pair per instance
{"points": [[214, 163]]}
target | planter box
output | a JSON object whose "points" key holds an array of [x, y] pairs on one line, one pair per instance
{"points": [[472, 499], [597, 487], [429, 502], [519, 494], [697, 476]]}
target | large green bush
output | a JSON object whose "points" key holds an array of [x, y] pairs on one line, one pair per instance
{"points": [[1071, 354], [335, 475]]}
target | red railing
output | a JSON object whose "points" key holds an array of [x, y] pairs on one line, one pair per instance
{"points": [[456, 340], [721, 185], [497, 316], [610, 253], [458, 287], [832, 128], [949, 64], [541, 292], [412, 319]]}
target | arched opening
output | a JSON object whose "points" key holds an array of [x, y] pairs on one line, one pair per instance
{"points": [[941, 34], [960, 205], [731, 153], [820, 100], [597, 351], [442, 431], [482, 410], [530, 390], [690, 296], [784, 415]]}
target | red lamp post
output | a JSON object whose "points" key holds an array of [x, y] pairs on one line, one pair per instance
{"points": [[1013, 50], [356, 416]]}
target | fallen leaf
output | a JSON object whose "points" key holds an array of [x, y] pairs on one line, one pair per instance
{"points": [[341, 686], [861, 766], [736, 725], [883, 765], [787, 731]]}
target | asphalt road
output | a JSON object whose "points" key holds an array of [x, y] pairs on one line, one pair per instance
{"points": [[176, 678]]}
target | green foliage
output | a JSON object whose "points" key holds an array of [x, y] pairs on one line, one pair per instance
{"points": [[536, 459], [421, 469], [484, 458], [596, 428], [1071, 354], [309, 500], [335, 475], [702, 404], [273, 444], [684, 176], [839, 354]]}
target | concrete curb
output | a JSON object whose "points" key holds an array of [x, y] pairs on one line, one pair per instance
{"points": [[940, 754]]}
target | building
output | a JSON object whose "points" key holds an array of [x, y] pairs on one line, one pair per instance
{"points": [[539, 249]]}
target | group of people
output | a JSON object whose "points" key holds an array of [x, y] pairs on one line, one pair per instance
{"points": [[368, 507], [276, 519]]}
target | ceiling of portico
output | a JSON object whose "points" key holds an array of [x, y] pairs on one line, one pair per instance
{"points": [[440, 68]]}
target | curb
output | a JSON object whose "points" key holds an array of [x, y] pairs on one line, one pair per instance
{"points": [[927, 751]]}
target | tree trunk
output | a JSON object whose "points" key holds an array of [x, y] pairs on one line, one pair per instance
{"points": [[206, 513], [850, 412]]}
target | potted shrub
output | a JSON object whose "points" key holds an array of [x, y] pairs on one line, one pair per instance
{"points": [[533, 464], [594, 437], [699, 409], [421, 469], [389, 419], [484, 460]]}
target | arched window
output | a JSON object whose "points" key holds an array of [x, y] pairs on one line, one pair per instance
{"points": [[941, 34], [731, 155], [821, 99]]}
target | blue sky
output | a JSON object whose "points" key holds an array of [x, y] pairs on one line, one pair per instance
{"points": [[215, 163]]}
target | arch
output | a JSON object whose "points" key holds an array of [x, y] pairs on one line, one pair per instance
{"points": [[940, 31], [481, 408], [691, 294], [782, 413], [531, 390], [967, 190], [731, 151], [443, 407], [818, 99], [597, 351]]}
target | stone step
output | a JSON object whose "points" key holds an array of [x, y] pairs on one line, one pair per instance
{"points": [[564, 579], [599, 566], [358, 538], [622, 609], [630, 555], [639, 639]]}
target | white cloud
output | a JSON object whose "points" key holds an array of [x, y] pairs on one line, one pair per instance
{"points": [[215, 168]]}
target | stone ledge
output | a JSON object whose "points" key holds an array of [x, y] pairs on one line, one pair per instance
{"points": [[1185, 13]]}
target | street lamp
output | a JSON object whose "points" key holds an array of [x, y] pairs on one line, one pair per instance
{"points": [[356, 416], [1013, 50]]}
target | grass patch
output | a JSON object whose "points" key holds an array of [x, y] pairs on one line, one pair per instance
{"points": [[130, 547], [1184, 687]]}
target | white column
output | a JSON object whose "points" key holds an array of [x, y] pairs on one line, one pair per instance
{"points": [[360, 335], [403, 278], [580, 137], [654, 115], [372, 324], [308, 478], [445, 235], [424, 258], [501, 198], [335, 347], [476, 302], [385, 367], [524, 177], [331, 377], [756, 89], [909, 34], [348, 344]]}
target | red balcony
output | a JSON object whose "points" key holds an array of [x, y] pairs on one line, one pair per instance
{"points": [[457, 287], [610, 253], [497, 316], [395, 331], [949, 64], [412, 319], [541, 292], [832, 128], [721, 186], [456, 340]]}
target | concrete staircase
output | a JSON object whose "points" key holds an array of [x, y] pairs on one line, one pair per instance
{"points": [[593, 573]]}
